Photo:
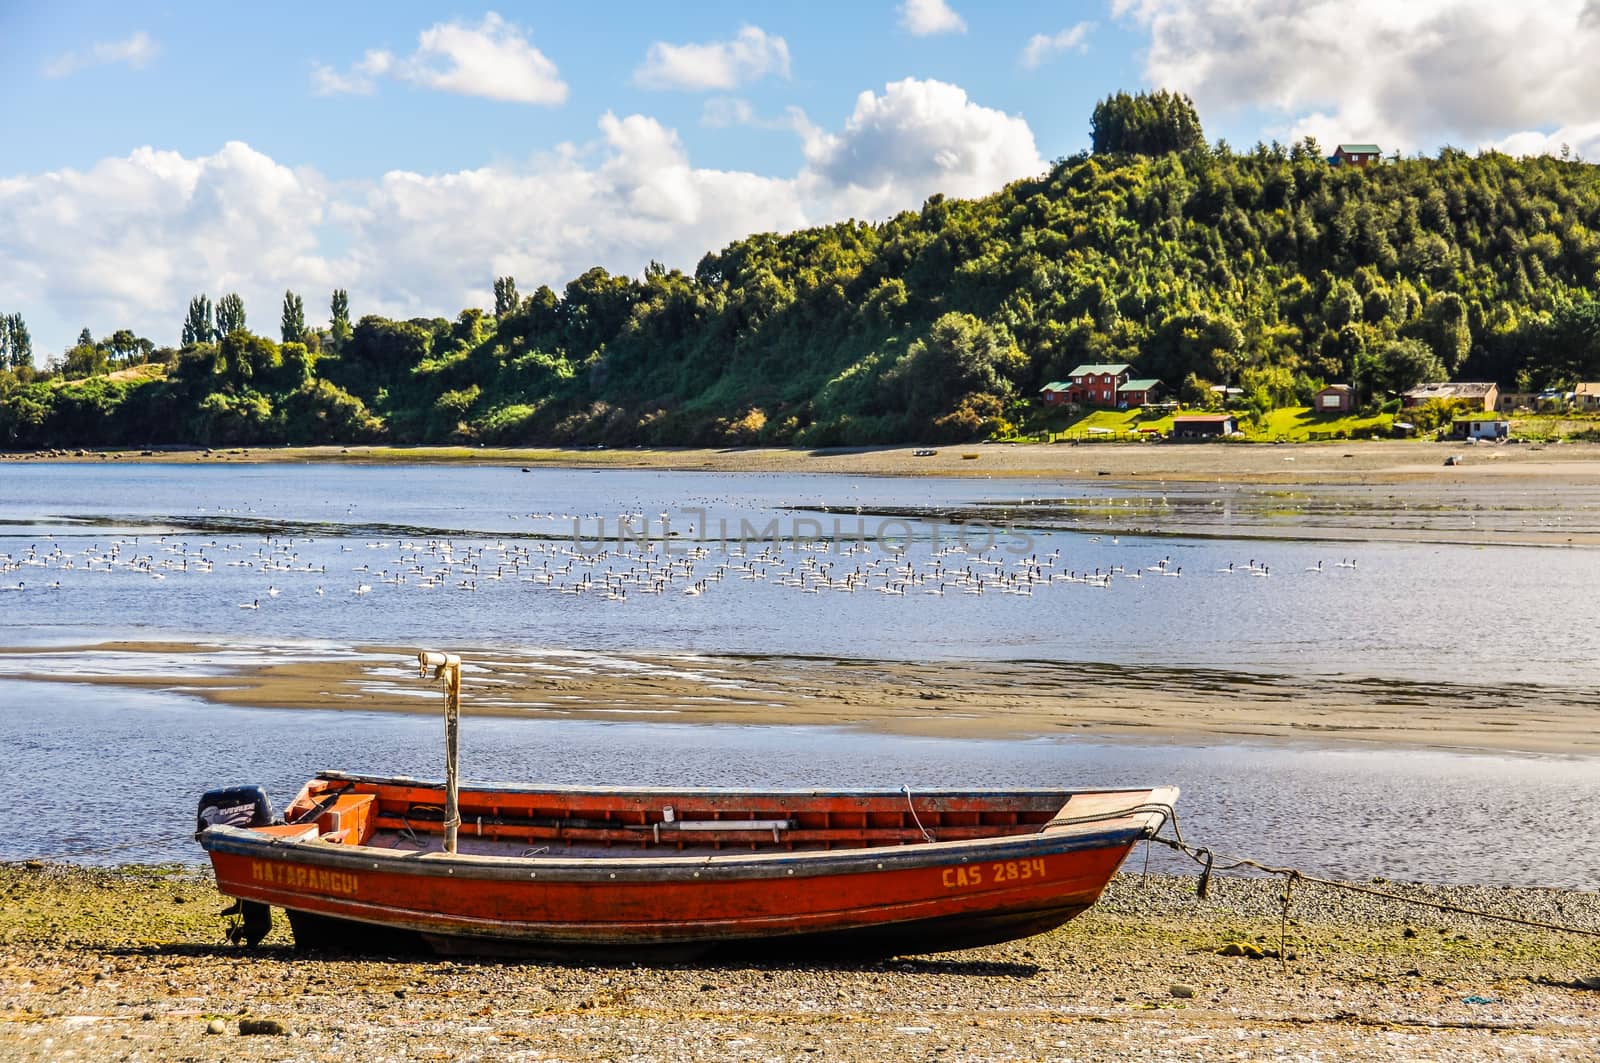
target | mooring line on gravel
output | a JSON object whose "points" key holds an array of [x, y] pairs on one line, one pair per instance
{"points": [[1207, 858]]}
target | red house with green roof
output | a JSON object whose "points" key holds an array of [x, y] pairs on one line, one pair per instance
{"points": [[1133, 393], [1354, 155], [1097, 384], [1108, 385]]}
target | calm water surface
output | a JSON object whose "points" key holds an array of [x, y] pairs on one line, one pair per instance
{"points": [[1416, 611], [97, 765], [104, 766]]}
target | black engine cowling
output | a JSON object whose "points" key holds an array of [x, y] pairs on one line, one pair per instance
{"points": [[239, 806], [235, 806]]}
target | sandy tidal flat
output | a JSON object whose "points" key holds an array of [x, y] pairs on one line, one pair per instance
{"points": [[972, 699]]}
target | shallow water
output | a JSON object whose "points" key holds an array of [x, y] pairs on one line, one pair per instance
{"points": [[1475, 614], [93, 766], [1353, 813]]}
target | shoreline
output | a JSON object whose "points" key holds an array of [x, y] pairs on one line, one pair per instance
{"points": [[1366, 461], [1338, 493], [953, 699], [130, 961]]}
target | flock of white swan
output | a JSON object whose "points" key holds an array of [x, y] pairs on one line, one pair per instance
{"points": [[614, 574]]}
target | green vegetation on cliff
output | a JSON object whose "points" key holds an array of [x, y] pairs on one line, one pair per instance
{"points": [[1270, 271]]}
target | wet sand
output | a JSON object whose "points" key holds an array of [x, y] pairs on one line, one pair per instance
{"points": [[975, 699], [131, 964], [1397, 490], [1391, 461]]}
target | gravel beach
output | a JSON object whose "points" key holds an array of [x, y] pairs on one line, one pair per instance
{"points": [[130, 964]]}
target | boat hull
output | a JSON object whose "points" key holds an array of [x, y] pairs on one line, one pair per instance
{"points": [[940, 934], [861, 901]]}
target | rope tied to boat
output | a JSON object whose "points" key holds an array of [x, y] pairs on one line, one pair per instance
{"points": [[906, 789], [1208, 858]]}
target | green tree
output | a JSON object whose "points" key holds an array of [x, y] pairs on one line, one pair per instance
{"points": [[16, 345], [1398, 366], [960, 356], [197, 327], [85, 359], [319, 412], [128, 348], [339, 326], [1150, 123], [246, 360], [230, 315], [1447, 329], [505, 296], [1568, 347], [298, 367], [292, 326]]}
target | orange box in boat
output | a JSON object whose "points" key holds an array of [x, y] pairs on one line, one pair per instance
{"points": [[663, 873]]}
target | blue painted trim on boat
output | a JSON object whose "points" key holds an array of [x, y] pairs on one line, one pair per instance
{"points": [[716, 791], [706, 868]]}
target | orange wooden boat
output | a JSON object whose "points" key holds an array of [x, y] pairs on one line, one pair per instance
{"points": [[668, 874], [388, 863]]}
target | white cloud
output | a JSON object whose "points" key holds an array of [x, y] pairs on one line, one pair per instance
{"points": [[926, 17], [722, 112], [136, 50], [1408, 75], [726, 112], [751, 55], [926, 135], [128, 241], [360, 81], [1581, 140], [1043, 47], [493, 60]]}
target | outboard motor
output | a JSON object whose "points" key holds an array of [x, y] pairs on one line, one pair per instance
{"points": [[236, 806], [239, 806]]}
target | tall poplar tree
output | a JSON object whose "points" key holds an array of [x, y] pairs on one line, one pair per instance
{"points": [[340, 330], [505, 295], [230, 315], [16, 345], [293, 325], [197, 326]]}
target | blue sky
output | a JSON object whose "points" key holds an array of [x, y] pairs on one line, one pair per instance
{"points": [[224, 72], [411, 152]]}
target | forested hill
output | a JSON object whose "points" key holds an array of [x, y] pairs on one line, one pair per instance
{"points": [[1272, 271]]}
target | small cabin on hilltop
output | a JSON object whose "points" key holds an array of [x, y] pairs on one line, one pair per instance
{"points": [[1354, 155]]}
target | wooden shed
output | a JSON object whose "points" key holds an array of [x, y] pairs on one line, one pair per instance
{"points": [[1203, 425], [1335, 398]]}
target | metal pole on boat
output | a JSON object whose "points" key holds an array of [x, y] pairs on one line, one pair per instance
{"points": [[447, 666]]}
